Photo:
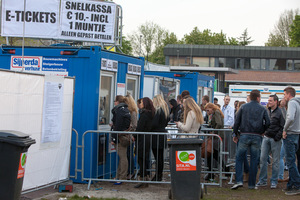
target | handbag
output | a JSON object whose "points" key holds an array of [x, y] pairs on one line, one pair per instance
{"points": [[206, 146]]}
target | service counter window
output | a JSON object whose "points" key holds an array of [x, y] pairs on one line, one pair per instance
{"points": [[107, 86], [132, 83]]}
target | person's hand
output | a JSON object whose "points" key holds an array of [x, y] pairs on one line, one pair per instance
{"points": [[177, 124], [112, 143], [132, 138], [110, 124], [284, 134], [235, 139]]}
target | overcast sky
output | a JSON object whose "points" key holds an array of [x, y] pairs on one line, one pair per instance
{"points": [[230, 16]]}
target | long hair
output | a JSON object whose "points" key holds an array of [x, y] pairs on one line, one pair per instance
{"points": [[132, 107], [190, 104], [214, 108], [159, 102], [148, 105]]}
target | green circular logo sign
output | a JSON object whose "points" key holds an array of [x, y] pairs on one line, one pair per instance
{"points": [[23, 160], [184, 156]]}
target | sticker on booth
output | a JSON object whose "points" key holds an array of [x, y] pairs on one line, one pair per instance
{"points": [[22, 164], [186, 160]]}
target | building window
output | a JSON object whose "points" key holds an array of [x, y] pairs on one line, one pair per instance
{"points": [[240, 63], [212, 62], [277, 64], [230, 63], [255, 64], [263, 64], [201, 61], [297, 65], [290, 65], [221, 62]]}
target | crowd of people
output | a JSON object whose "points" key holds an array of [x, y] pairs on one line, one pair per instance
{"points": [[257, 130]]}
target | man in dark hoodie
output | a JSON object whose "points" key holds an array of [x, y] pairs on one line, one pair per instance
{"points": [[291, 132], [271, 143]]}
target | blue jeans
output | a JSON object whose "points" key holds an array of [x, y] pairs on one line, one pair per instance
{"points": [[291, 146], [246, 164], [269, 145], [254, 143], [281, 163]]}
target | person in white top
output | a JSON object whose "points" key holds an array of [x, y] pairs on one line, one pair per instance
{"points": [[228, 112], [192, 117]]}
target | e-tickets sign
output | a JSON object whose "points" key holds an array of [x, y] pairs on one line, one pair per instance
{"points": [[41, 18], [186, 160], [77, 20]]}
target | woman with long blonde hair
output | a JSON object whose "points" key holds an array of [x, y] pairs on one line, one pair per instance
{"points": [[133, 109], [159, 123], [192, 117]]}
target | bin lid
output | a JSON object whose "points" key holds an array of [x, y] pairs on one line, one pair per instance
{"points": [[185, 141], [16, 137]]}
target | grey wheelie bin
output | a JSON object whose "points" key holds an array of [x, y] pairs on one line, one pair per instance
{"points": [[13, 148], [185, 167]]}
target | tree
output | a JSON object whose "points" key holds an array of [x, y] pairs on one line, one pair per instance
{"points": [[158, 55], [244, 40], [208, 38], [126, 46], [295, 32], [280, 35], [146, 39]]}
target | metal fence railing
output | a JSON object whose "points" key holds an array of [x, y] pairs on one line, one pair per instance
{"points": [[148, 156]]}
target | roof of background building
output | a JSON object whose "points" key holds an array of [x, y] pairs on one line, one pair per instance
{"points": [[232, 51]]}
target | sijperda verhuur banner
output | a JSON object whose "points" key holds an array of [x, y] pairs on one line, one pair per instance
{"points": [[79, 20]]}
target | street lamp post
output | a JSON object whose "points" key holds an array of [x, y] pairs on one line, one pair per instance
{"points": [[140, 45], [177, 57]]}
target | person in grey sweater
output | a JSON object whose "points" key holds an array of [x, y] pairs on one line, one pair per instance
{"points": [[291, 132]]}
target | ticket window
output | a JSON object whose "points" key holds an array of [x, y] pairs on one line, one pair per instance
{"points": [[132, 83], [200, 95], [107, 88]]}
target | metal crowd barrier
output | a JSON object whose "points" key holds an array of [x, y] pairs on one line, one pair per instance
{"points": [[101, 164]]}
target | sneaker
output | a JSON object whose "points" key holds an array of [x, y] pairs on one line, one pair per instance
{"points": [[236, 186], [260, 184], [293, 192], [273, 185], [286, 189]]}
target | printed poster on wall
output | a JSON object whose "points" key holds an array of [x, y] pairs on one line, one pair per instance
{"points": [[41, 18], [87, 21], [52, 109], [186, 160]]}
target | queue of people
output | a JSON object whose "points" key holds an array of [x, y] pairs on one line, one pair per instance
{"points": [[256, 130]]}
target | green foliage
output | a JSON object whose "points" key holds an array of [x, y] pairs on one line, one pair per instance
{"points": [[126, 46], [244, 40], [295, 32], [158, 55], [280, 36]]}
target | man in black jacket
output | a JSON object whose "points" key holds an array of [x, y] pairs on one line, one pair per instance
{"points": [[252, 120], [271, 144]]}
